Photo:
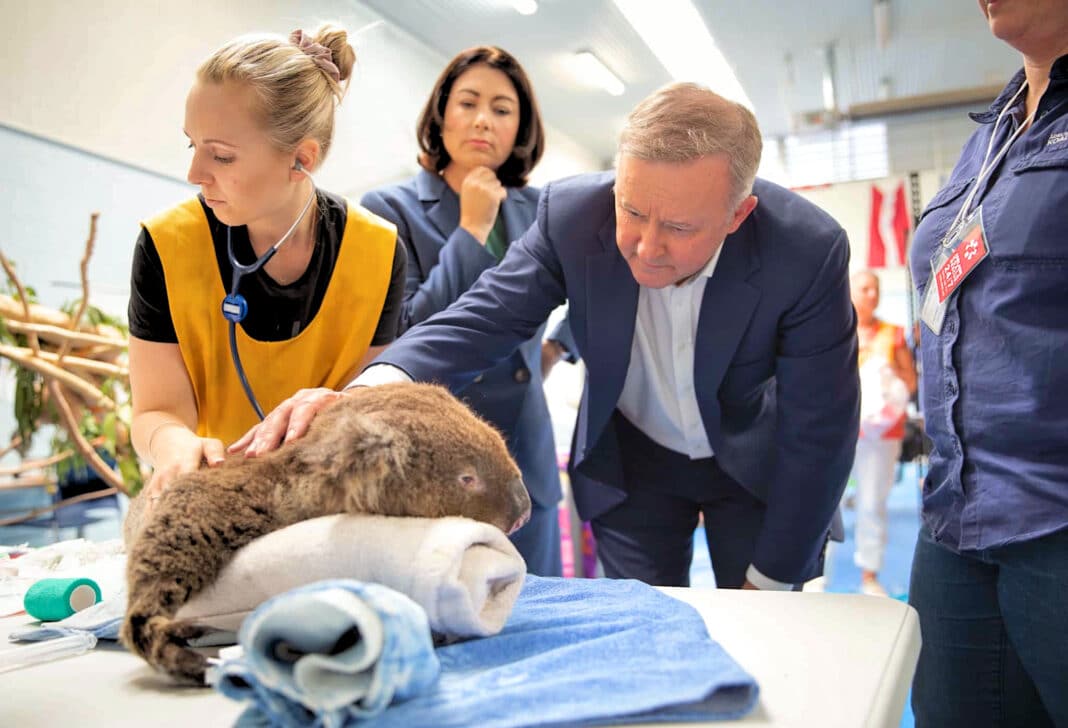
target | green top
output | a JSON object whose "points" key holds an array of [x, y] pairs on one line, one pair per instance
{"points": [[497, 242]]}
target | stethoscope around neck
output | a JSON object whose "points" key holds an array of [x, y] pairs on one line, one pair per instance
{"points": [[235, 307]]}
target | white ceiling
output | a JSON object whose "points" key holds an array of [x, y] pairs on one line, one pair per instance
{"points": [[777, 48]]}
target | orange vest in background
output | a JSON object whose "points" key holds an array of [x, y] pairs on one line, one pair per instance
{"points": [[883, 344], [325, 354]]}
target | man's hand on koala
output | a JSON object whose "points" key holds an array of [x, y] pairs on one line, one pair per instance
{"points": [[288, 421]]}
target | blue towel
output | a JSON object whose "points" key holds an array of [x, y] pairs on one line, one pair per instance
{"points": [[329, 654], [584, 652]]}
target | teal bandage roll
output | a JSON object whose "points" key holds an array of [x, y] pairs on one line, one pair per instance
{"points": [[51, 600]]}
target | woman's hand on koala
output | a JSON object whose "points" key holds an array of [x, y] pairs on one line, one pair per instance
{"points": [[177, 450], [288, 421]]}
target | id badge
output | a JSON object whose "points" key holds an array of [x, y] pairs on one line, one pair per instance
{"points": [[961, 251]]}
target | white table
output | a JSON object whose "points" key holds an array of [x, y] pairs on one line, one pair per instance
{"points": [[825, 660]]}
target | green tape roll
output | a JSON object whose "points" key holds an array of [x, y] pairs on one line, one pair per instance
{"points": [[51, 600]]}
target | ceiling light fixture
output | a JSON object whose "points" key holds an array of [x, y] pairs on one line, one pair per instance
{"points": [[589, 69], [525, 7], [678, 37], [881, 13]]}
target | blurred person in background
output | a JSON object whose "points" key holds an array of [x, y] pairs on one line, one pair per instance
{"points": [[887, 381]]}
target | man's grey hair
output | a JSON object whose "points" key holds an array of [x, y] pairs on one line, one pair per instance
{"points": [[682, 122]]}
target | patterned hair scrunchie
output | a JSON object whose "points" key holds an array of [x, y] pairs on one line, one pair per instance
{"points": [[319, 53]]}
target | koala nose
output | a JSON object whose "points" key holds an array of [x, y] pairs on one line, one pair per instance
{"points": [[521, 505], [519, 522]]}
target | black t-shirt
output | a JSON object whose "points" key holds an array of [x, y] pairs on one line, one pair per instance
{"points": [[275, 312]]}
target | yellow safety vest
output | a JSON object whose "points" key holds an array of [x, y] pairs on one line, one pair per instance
{"points": [[324, 354]]}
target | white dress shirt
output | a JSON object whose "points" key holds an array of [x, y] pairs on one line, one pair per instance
{"points": [[658, 395]]}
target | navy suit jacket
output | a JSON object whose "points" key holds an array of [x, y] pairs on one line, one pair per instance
{"points": [[444, 260], [775, 363]]}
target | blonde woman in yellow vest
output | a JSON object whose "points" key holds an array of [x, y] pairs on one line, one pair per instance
{"points": [[888, 379], [260, 120]]}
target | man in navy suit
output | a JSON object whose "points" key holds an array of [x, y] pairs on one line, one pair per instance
{"points": [[712, 312]]}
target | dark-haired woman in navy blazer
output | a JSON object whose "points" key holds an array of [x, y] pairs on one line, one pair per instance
{"points": [[480, 134]]}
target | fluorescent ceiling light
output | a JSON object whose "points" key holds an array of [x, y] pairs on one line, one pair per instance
{"points": [[525, 7], [590, 70], [678, 37]]}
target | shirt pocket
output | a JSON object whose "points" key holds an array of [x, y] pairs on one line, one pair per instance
{"points": [[933, 225], [1033, 217]]}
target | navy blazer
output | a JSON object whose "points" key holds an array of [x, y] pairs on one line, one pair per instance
{"points": [[444, 260], [775, 354]]}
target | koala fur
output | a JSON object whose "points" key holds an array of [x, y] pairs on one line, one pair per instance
{"points": [[397, 450]]}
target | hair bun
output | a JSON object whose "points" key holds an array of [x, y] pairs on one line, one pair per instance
{"points": [[336, 40]]}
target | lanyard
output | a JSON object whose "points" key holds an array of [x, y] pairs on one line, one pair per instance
{"points": [[989, 165], [235, 307]]}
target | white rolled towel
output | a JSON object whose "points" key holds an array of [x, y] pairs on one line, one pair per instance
{"points": [[466, 574]]}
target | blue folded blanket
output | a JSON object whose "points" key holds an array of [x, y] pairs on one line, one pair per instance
{"points": [[584, 652], [329, 654], [574, 652]]}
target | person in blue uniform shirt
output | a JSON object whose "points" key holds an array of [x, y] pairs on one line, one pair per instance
{"points": [[990, 573], [712, 311], [480, 135]]}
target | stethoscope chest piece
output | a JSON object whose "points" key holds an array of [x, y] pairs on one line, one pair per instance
{"points": [[235, 308]]}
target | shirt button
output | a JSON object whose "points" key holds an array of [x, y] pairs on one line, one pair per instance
{"points": [[522, 375], [951, 389], [479, 378]]}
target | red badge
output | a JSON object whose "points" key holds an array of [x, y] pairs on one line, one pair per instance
{"points": [[971, 250]]}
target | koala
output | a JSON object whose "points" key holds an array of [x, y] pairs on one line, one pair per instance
{"points": [[398, 450]]}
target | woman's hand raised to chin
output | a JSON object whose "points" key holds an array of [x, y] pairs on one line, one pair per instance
{"points": [[481, 196]]}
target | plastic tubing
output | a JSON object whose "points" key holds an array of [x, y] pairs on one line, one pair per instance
{"points": [[46, 651]]}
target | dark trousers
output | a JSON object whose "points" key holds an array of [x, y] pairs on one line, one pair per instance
{"points": [[649, 536], [539, 541], [995, 634]]}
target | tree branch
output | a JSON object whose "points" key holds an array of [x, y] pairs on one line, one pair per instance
{"points": [[11, 275], [88, 393], [15, 443], [96, 494], [28, 465], [54, 333], [91, 457], [93, 366], [64, 349]]}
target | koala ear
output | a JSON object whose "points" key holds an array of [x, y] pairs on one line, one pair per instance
{"points": [[379, 449], [357, 445]]}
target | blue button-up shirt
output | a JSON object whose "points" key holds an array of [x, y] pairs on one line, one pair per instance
{"points": [[995, 380]]}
